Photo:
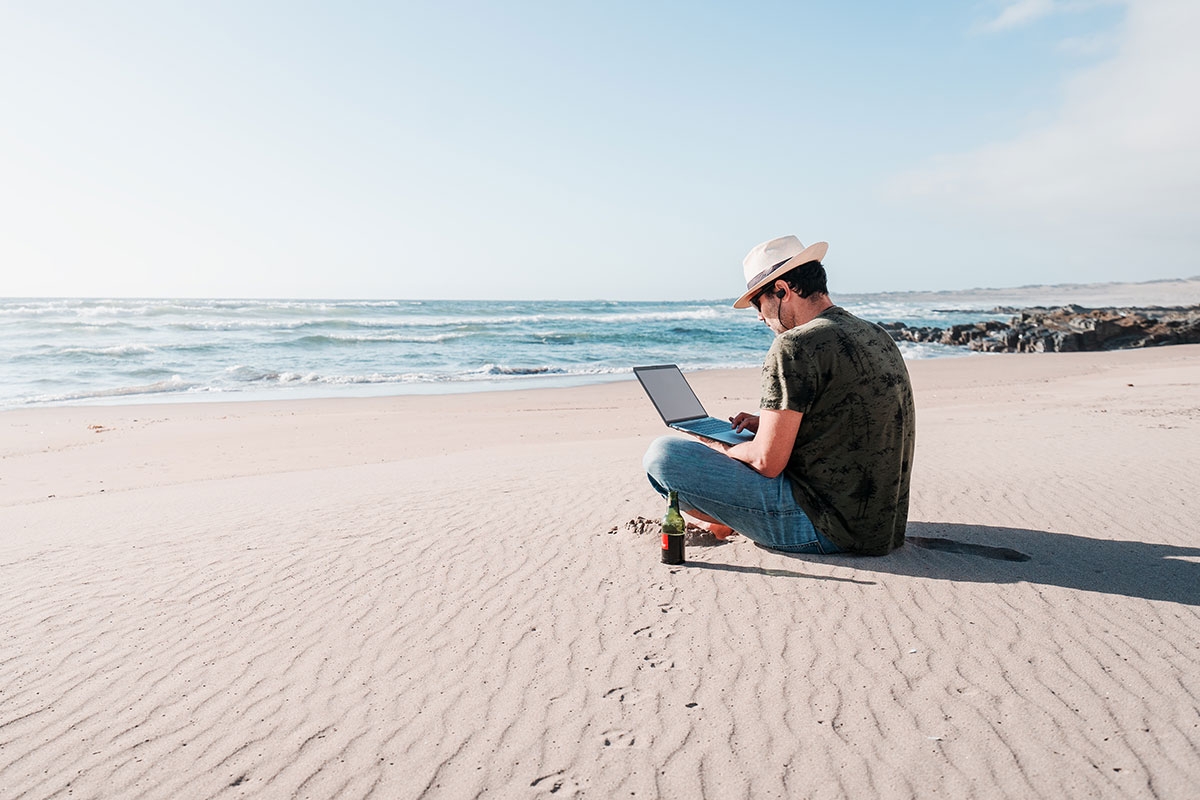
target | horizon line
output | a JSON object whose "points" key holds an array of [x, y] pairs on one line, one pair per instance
{"points": [[730, 298]]}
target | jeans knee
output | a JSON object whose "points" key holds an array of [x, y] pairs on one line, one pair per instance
{"points": [[657, 461], [658, 455], [654, 459], [668, 459]]}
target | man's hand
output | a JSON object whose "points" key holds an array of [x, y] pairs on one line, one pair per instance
{"points": [[712, 444], [745, 422], [770, 450]]}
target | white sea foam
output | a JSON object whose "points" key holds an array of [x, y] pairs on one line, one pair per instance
{"points": [[174, 384], [104, 350], [913, 351], [114, 350]]}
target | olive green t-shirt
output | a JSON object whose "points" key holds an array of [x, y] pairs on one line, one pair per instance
{"points": [[851, 463]]}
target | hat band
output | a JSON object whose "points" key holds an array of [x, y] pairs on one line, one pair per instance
{"points": [[750, 283]]}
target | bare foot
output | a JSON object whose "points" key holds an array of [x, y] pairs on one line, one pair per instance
{"points": [[711, 525], [722, 532]]}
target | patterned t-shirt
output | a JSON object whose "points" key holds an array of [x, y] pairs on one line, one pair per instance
{"points": [[852, 460]]}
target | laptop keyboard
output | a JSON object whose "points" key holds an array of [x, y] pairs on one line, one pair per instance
{"points": [[707, 426]]}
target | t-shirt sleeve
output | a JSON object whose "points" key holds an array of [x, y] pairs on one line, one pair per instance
{"points": [[789, 378]]}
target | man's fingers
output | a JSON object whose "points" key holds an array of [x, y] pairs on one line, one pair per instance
{"points": [[742, 421]]}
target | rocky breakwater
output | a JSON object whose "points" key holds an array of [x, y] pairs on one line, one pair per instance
{"points": [[1065, 329]]}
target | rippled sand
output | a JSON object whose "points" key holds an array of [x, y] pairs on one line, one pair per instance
{"points": [[440, 597]]}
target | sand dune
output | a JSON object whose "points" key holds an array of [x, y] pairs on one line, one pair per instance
{"points": [[440, 598]]}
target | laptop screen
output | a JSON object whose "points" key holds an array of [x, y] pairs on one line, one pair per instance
{"points": [[670, 392]]}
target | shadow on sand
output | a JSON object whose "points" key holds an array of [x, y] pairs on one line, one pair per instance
{"points": [[772, 573], [984, 554]]}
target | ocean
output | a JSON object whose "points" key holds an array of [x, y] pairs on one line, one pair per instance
{"points": [[85, 351]]}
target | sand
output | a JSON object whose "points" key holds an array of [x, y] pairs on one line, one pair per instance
{"points": [[440, 597]]}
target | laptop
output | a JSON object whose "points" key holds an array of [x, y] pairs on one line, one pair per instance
{"points": [[672, 395]]}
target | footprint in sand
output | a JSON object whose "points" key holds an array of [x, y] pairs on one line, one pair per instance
{"points": [[656, 661], [674, 608], [558, 785], [656, 631], [620, 738], [626, 697]]}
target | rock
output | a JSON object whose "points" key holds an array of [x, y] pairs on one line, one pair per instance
{"points": [[1065, 329]]}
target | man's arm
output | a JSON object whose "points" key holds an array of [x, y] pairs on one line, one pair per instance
{"points": [[768, 452]]}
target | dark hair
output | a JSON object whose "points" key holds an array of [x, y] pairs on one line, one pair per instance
{"points": [[806, 279]]}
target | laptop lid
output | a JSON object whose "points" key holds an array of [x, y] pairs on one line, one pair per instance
{"points": [[670, 392]]}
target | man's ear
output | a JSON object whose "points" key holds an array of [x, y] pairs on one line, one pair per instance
{"points": [[781, 289]]}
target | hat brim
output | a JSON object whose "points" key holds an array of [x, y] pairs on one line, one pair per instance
{"points": [[814, 252]]}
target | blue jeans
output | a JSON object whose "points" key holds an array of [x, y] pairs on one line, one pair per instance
{"points": [[760, 508]]}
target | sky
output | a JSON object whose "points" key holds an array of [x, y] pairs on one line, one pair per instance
{"points": [[616, 150]]}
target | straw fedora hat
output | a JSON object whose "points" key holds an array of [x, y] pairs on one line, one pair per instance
{"points": [[766, 262]]}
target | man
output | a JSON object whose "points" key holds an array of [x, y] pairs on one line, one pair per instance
{"points": [[828, 469]]}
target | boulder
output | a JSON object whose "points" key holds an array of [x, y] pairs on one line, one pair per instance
{"points": [[1065, 329]]}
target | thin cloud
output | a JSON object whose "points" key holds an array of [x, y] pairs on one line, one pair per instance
{"points": [[1020, 13], [1121, 156], [1026, 12]]}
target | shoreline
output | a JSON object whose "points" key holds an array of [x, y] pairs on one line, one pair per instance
{"points": [[492, 416], [137, 352], [318, 392], [531, 383]]}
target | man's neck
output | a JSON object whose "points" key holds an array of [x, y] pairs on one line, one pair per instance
{"points": [[809, 308]]}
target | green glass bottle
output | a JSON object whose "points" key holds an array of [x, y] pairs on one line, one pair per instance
{"points": [[672, 532]]}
